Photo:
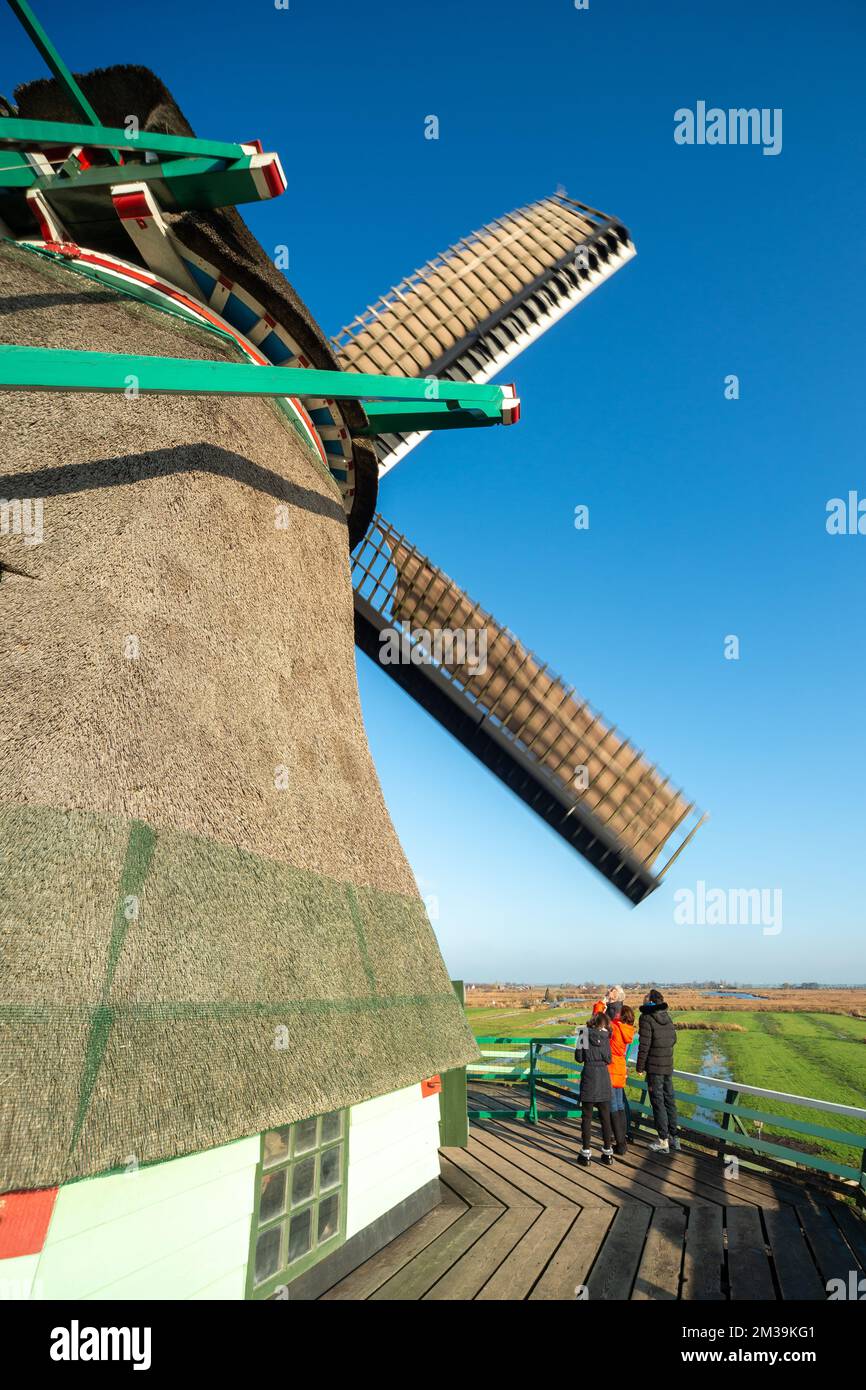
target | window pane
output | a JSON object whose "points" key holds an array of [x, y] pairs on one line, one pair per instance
{"points": [[303, 1180], [329, 1169], [329, 1217], [273, 1201], [268, 1254], [299, 1234], [276, 1145], [305, 1135], [332, 1126]]}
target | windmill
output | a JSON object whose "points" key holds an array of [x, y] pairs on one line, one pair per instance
{"points": [[465, 316], [207, 891], [419, 359]]}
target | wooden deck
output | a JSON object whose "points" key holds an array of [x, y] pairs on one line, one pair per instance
{"points": [[520, 1220]]}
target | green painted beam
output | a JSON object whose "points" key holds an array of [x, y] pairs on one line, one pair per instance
{"points": [[184, 185], [15, 172], [429, 415], [39, 37], [548, 1042], [63, 369], [40, 135]]}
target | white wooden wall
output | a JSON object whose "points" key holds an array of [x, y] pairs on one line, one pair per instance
{"points": [[393, 1150], [181, 1229], [178, 1230]]}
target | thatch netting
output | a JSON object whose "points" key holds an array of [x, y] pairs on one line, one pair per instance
{"points": [[606, 773], [208, 925]]}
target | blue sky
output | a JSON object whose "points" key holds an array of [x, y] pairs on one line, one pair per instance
{"points": [[707, 515]]}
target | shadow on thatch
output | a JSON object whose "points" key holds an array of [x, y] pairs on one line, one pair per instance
{"points": [[160, 463], [17, 303]]}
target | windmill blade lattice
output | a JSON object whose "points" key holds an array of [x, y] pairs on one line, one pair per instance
{"points": [[595, 788], [471, 310]]}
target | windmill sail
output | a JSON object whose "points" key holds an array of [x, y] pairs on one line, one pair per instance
{"points": [[594, 787], [470, 311]]}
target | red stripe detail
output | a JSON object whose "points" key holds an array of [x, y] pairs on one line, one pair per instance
{"points": [[64, 248], [132, 206], [90, 258], [276, 184], [24, 1218]]}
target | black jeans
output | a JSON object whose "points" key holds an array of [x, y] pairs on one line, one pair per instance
{"points": [[603, 1108], [661, 1094]]}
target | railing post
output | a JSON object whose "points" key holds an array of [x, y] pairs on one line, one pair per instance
{"points": [[453, 1100], [861, 1190], [533, 1109], [644, 1100], [730, 1099]]}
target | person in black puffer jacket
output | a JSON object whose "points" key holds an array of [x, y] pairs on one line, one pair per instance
{"points": [[658, 1038], [593, 1050]]}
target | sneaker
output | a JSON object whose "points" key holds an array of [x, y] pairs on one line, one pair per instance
{"points": [[607, 1157], [675, 1145], [621, 1149], [660, 1147], [584, 1157]]}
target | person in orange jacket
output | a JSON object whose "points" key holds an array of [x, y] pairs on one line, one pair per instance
{"points": [[621, 1035]]}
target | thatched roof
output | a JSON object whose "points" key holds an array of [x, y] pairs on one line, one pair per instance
{"points": [[196, 862], [222, 237]]}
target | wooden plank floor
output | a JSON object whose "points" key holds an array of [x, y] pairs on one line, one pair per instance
{"points": [[520, 1220]]}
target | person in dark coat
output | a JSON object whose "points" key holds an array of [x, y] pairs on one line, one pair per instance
{"points": [[593, 1051], [655, 1056]]}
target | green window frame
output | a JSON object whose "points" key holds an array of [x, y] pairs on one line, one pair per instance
{"points": [[299, 1215]]}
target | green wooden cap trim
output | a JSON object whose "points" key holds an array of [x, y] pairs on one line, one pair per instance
{"points": [[116, 280], [186, 185], [27, 134]]}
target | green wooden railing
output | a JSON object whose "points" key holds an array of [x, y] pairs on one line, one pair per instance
{"points": [[547, 1069]]}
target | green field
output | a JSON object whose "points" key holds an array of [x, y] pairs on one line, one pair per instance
{"points": [[805, 1054]]}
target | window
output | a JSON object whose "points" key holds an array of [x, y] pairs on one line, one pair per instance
{"points": [[300, 1212]]}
